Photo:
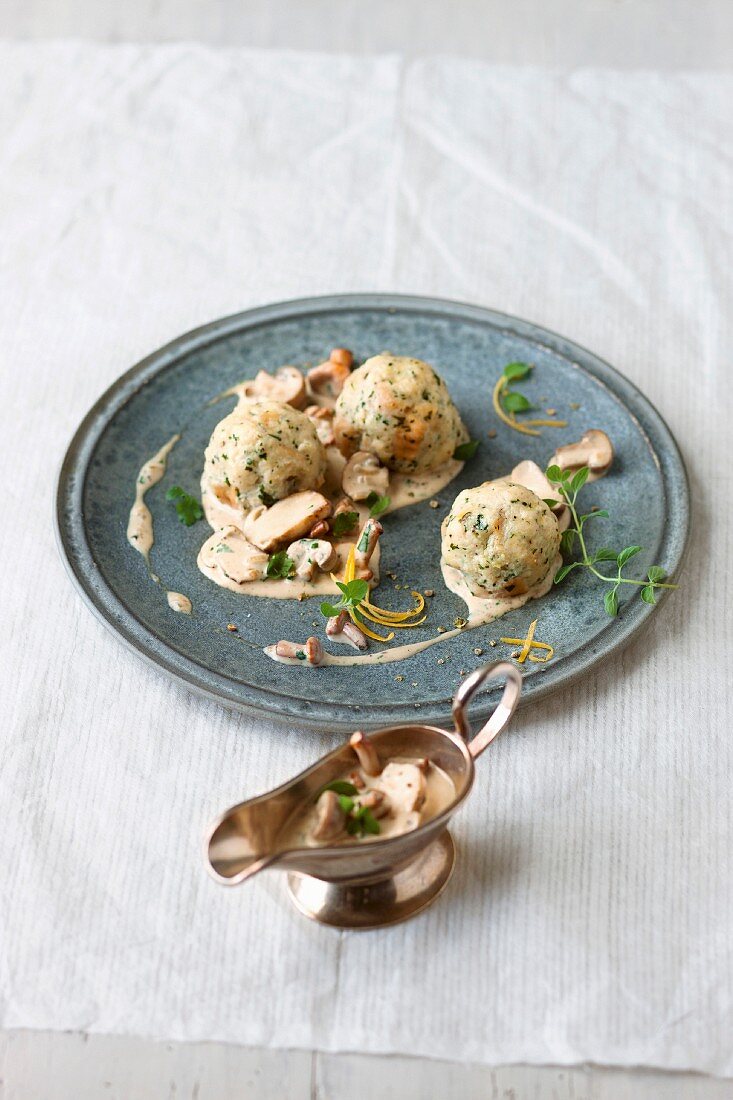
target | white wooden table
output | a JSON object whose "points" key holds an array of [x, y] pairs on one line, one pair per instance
{"points": [[660, 34]]}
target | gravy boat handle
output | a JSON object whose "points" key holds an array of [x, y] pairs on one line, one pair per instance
{"points": [[502, 712]]}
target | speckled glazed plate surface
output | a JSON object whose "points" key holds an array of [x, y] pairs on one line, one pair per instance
{"points": [[646, 495]]}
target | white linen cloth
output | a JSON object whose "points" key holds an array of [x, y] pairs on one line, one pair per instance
{"points": [[146, 190]]}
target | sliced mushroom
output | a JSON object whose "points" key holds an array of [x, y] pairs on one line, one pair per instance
{"points": [[286, 520], [331, 819], [287, 384], [328, 378], [594, 450], [322, 418], [363, 474], [237, 558], [310, 555], [376, 801], [340, 628], [366, 753], [404, 785], [366, 544]]}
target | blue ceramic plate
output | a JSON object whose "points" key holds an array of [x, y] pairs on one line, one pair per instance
{"points": [[169, 392]]}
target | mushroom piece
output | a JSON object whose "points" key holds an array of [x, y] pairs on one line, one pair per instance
{"points": [[594, 450], [287, 384], [293, 653], [363, 474], [341, 629], [322, 418], [376, 801], [404, 785], [286, 520], [328, 378], [309, 555], [366, 544], [366, 753], [239, 560], [331, 819]]}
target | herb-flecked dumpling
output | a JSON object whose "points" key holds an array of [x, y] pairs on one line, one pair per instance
{"points": [[501, 537], [400, 410], [262, 452]]}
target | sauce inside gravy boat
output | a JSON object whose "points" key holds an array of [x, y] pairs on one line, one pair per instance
{"points": [[365, 879]]}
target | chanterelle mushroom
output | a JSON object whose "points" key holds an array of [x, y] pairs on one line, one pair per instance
{"points": [[328, 378], [311, 554], [331, 821], [366, 544], [594, 450], [365, 751], [363, 474], [287, 384], [286, 520], [340, 628]]}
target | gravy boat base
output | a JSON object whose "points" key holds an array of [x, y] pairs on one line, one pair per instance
{"points": [[399, 896], [363, 885]]}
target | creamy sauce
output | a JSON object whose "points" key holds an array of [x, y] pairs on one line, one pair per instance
{"points": [[178, 602], [407, 489], [224, 556], [140, 524], [140, 532], [480, 613], [439, 793]]}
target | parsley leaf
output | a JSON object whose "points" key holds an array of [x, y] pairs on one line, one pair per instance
{"points": [[188, 508], [377, 504], [343, 523], [340, 786], [267, 499], [466, 450], [280, 565], [352, 594]]}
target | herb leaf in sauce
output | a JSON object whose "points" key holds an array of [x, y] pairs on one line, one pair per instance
{"points": [[267, 498], [377, 504], [569, 486], [339, 786], [280, 565], [188, 508], [466, 450], [343, 523]]}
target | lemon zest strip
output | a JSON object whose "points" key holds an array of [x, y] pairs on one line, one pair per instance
{"points": [[529, 643]]}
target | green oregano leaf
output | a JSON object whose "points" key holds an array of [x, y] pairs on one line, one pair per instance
{"points": [[610, 602], [647, 594]]}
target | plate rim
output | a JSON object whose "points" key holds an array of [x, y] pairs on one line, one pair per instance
{"points": [[112, 612]]}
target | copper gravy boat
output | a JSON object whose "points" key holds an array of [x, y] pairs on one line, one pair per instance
{"points": [[363, 885]]}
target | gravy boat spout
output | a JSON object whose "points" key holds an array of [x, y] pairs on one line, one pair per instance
{"points": [[367, 883]]}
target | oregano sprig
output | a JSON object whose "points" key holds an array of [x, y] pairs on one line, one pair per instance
{"points": [[569, 485]]}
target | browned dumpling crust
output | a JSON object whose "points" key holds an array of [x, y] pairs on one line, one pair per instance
{"points": [[399, 409]]}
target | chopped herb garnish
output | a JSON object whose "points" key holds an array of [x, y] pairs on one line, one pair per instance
{"points": [[343, 523], [280, 565], [377, 504], [188, 508], [466, 450], [267, 499]]}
